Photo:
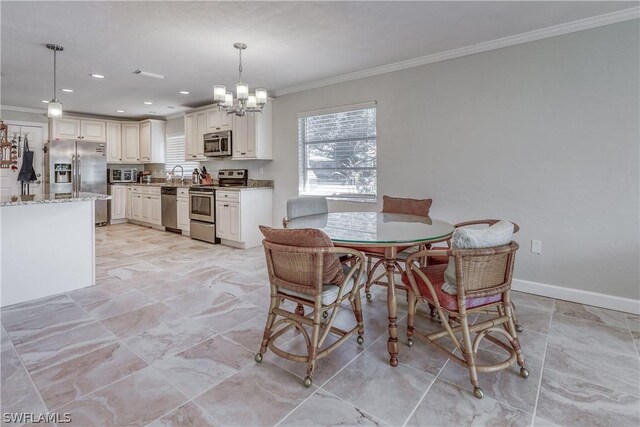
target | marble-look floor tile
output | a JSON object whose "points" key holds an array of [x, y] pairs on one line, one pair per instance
{"points": [[18, 395], [565, 400], [259, 395], [91, 294], [524, 301], [199, 301], [119, 304], [140, 320], [62, 346], [584, 361], [204, 365], [65, 382], [5, 341], [249, 333], [448, 405], [325, 409], [188, 415], [136, 400], [225, 316], [587, 312], [133, 270], [598, 336], [235, 283], [170, 338], [386, 392], [633, 322]]}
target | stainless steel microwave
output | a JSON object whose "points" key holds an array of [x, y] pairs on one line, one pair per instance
{"points": [[122, 175], [217, 144]]}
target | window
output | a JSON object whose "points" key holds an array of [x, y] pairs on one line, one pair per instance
{"points": [[174, 155], [338, 153]]}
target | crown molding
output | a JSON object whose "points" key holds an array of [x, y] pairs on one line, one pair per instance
{"points": [[22, 109], [543, 33]]}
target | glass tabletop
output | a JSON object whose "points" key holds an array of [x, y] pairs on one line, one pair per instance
{"points": [[374, 228]]}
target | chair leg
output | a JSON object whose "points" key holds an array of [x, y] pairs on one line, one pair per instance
{"points": [[357, 312], [312, 350], [300, 310], [515, 343], [271, 317], [367, 286], [413, 303], [469, 357], [519, 327]]}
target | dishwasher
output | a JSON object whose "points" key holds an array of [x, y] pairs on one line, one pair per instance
{"points": [[170, 209]]}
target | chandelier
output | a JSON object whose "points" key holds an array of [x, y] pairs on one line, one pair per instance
{"points": [[54, 110], [246, 102]]}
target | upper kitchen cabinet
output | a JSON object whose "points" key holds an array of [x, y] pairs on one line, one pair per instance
{"points": [[217, 120], [130, 142], [90, 130], [152, 141], [195, 126], [252, 138], [114, 142]]}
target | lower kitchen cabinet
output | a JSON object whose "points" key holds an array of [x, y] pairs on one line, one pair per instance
{"points": [[146, 205], [128, 202], [239, 213], [118, 202], [183, 211]]}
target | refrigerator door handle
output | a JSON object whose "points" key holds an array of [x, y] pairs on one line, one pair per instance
{"points": [[79, 186], [73, 173]]}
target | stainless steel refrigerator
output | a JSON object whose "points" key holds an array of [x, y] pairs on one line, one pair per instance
{"points": [[73, 167]]}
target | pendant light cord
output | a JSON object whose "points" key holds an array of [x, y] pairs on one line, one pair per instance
{"points": [[240, 67], [54, 73]]}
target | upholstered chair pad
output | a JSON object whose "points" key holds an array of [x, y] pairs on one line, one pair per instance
{"points": [[329, 291], [435, 274], [306, 206]]}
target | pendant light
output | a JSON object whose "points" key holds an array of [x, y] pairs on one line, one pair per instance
{"points": [[55, 107], [247, 102]]}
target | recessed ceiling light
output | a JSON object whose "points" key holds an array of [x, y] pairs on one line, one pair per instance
{"points": [[68, 90], [152, 112], [148, 102], [119, 111], [184, 92], [45, 101], [170, 107], [97, 76]]}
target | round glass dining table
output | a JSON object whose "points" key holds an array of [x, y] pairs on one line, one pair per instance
{"points": [[362, 230]]}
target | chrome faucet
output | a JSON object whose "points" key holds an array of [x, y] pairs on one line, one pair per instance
{"points": [[181, 173]]}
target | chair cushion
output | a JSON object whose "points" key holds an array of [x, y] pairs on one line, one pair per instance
{"points": [[305, 206], [329, 291], [308, 238], [435, 274], [498, 234], [400, 205]]}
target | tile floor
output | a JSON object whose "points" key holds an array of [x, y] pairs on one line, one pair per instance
{"points": [[168, 335]]}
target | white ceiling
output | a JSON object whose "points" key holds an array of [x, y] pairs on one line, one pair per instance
{"points": [[290, 43]]}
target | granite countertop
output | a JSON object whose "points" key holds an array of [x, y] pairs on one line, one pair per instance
{"points": [[253, 185], [51, 198]]}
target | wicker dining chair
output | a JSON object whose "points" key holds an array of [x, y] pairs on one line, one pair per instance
{"points": [[443, 259], [314, 277], [483, 285], [396, 205], [299, 207]]}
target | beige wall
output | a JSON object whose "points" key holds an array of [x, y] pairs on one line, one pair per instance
{"points": [[544, 134]]}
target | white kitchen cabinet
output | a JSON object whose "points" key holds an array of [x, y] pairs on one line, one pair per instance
{"points": [[136, 206], [118, 202], [183, 211], [93, 130], [130, 142], [195, 126], [239, 213], [155, 210], [152, 141], [69, 128], [217, 120], [252, 136], [128, 202], [114, 142]]}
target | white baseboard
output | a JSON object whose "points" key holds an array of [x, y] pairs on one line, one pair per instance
{"points": [[610, 302]]}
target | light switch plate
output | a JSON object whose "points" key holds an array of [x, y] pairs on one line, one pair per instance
{"points": [[536, 246]]}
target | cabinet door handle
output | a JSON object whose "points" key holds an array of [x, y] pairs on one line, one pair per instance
{"points": [[243, 153], [226, 206]]}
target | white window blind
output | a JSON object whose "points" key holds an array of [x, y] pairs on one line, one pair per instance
{"points": [[174, 155], [337, 155]]}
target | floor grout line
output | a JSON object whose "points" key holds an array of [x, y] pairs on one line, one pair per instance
{"points": [[544, 357]]}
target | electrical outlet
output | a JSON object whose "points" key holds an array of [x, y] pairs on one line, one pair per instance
{"points": [[536, 246], [261, 171]]}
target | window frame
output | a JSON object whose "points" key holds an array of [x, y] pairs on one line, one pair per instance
{"points": [[187, 165], [302, 164]]}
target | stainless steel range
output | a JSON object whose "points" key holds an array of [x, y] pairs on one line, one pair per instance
{"points": [[202, 203], [202, 213]]}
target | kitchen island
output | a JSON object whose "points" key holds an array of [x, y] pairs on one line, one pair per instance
{"points": [[47, 245]]}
